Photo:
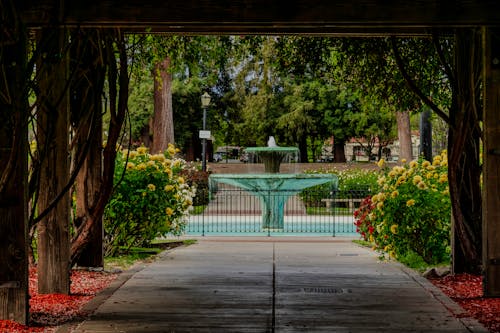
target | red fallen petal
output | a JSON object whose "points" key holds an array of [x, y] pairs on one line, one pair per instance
{"points": [[467, 291], [50, 310]]}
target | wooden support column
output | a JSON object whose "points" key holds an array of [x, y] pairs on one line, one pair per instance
{"points": [[491, 165], [13, 180], [53, 133]]}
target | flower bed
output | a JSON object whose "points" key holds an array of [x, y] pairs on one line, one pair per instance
{"points": [[52, 310]]}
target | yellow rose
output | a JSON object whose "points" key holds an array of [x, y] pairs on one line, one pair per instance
{"points": [[169, 188], [171, 151], [158, 157], [403, 160], [410, 203], [421, 186], [142, 150], [169, 211], [130, 166], [180, 180], [141, 167], [417, 179], [151, 187], [394, 229], [425, 164], [394, 194], [380, 205], [413, 164], [381, 163]]}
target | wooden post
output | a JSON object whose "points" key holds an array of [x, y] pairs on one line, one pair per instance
{"points": [[53, 132], [13, 180], [491, 164]]}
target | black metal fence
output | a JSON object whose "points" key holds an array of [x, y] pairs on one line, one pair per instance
{"points": [[314, 211]]}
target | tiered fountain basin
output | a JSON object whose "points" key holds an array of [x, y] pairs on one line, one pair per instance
{"points": [[272, 157], [273, 190]]}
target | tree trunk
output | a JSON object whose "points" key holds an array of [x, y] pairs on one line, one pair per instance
{"points": [[13, 177], [464, 167], [118, 96], [404, 135], [86, 112], [53, 132], [163, 119], [426, 135], [339, 151], [303, 150], [88, 185]]}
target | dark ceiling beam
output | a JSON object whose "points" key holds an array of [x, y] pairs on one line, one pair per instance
{"points": [[355, 17]]}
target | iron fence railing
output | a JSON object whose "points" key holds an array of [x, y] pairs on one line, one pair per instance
{"points": [[232, 211]]}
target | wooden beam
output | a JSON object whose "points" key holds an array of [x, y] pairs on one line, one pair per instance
{"points": [[264, 16], [491, 164]]}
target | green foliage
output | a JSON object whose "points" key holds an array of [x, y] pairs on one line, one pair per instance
{"points": [[353, 183], [411, 213], [151, 199]]}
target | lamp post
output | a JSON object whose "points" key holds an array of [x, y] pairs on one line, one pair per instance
{"points": [[205, 102]]}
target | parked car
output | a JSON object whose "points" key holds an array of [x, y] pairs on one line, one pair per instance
{"points": [[217, 157]]}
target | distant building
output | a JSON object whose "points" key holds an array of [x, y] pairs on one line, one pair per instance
{"points": [[354, 149]]}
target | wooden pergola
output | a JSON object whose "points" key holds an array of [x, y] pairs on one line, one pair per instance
{"points": [[301, 17]]}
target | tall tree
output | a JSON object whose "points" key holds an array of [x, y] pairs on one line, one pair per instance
{"points": [[114, 50], [404, 135], [163, 118], [86, 90]]}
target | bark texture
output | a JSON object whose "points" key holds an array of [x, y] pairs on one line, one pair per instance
{"points": [[163, 119], [53, 132], [464, 169], [404, 135]]}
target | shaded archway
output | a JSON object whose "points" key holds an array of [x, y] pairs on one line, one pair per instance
{"points": [[320, 17]]}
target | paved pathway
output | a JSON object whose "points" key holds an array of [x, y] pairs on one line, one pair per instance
{"points": [[276, 285]]}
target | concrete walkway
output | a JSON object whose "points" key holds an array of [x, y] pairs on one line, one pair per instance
{"points": [[276, 285]]}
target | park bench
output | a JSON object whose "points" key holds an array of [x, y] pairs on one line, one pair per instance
{"points": [[350, 202]]}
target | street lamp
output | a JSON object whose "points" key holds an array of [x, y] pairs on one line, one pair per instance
{"points": [[204, 134]]}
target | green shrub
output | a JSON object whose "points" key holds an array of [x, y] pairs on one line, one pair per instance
{"points": [[151, 199], [353, 183], [411, 213]]}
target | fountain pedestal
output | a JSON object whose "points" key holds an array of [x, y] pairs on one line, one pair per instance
{"points": [[273, 190], [272, 156]]}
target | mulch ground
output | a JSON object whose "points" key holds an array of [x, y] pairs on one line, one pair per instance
{"points": [[47, 312], [467, 291]]}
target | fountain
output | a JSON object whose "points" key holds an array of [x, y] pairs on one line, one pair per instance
{"points": [[272, 187]]}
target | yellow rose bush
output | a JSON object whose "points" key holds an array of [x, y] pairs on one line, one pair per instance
{"points": [[150, 199], [410, 215]]}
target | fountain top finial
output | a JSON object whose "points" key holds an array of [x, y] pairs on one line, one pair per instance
{"points": [[271, 142]]}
